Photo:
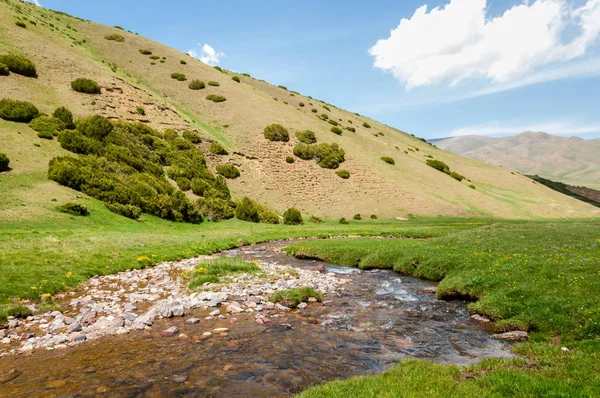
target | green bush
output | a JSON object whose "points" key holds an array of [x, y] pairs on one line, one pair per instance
{"points": [[388, 160], [457, 176], [276, 132], [329, 156], [192, 136], [215, 209], [246, 210], [282, 87], [366, 125], [336, 130], [343, 221], [352, 129], [324, 116], [332, 122], [184, 184], [217, 149], [4, 71], [147, 52], [267, 215], [218, 68], [86, 86], [306, 136], [228, 171], [96, 127], [236, 79], [292, 297], [140, 110], [74, 141], [21, 24], [128, 211], [73, 208], [373, 217], [182, 62], [4, 162], [292, 216], [216, 98], [345, 174], [45, 135], [115, 37], [155, 57], [289, 159], [314, 110], [178, 76], [17, 111], [213, 83], [303, 151], [315, 220], [19, 65], [326, 108], [47, 126], [65, 116], [357, 217], [438, 165], [301, 104], [196, 85]]}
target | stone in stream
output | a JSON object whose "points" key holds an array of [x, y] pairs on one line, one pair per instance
{"points": [[215, 313], [427, 290], [145, 319], [312, 299], [516, 335], [171, 309], [302, 306], [172, 331], [192, 321], [220, 330], [479, 318], [88, 318], [13, 323], [75, 327]]}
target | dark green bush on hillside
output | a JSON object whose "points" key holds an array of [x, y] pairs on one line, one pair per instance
{"points": [[336, 130], [65, 116], [196, 85], [306, 136], [388, 160], [213, 83], [4, 162], [366, 125], [457, 176], [115, 37], [178, 76], [86, 86], [184, 184], [215, 209], [314, 110], [357, 217], [344, 221], [21, 24], [246, 210], [217, 149], [324, 116], [155, 57], [303, 151], [216, 98], [228, 171], [192, 136], [47, 126], [97, 127], [329, 156], [373, 217], [218, 68], [128, 211], [345, 174], [236, 79], [19, 65], [326, 108], [74, 209], [4, 71], [292, 216], [276, 132], [146, 52], [182, 62], [289, 159], [438, 165], [17, 111], [332, 122], [140, 110], [301, 104], [352, 129]]}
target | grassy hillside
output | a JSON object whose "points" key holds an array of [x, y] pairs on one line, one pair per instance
{"points": [[64, 48], [570, 160]]}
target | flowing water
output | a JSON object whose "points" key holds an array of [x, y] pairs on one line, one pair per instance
{"points": [[377, 321]]}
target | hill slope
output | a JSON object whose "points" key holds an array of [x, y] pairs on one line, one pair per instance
{"points": [[571, 160], [65, 48]]}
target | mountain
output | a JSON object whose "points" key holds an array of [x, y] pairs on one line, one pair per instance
{"points": [[140, 81], [571, 160]]}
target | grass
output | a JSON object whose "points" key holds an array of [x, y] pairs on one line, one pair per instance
{"points": [[212, 270], [292, 297]]}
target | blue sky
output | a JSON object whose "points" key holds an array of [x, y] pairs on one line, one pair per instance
{"points": [[495, 67]]}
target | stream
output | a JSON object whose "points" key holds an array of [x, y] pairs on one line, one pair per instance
{"points": [[379, 319]]}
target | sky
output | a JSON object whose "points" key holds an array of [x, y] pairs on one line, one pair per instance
{"points": [[434, 68]]}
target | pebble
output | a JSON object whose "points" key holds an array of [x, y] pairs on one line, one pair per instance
{"points": [[219, 330], [172, 331], [192, 321], [207, 334], [516, 335], [302, 306]]}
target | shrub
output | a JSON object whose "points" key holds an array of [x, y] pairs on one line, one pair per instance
{"points": [[128, 211], [329, 156], [4, 162], [140, 110], [216, 98], [301, 105], [184, 183], [228, 171], [366, 125], [388, 160], [246, 210], [276, 132], [326, 108], [332, 122], [21, 24], [196, 85], [17, 111], [147, 52], [314, 110], [45, 135], [457, 176], [216, 209], [352, 129], [292, 216], [155, 57], [65, 116], [315, 220], [306, 136], [336, 130], [213, 83], [96, 127], [182, 62], [192, 136], [217, 149], [324, 116], [73, 208], [46, 126], [267, 215], [357, 217], [282, 87], [343, 221], [373, 217], [115, 37], [438, 165], [19, 65], [292, 297], [178, 76], [472, 186], [303, 151], [218, 68], [74, 141], [4, 71], [236, 79], [289, 159], [86, 86], [345, 174]]}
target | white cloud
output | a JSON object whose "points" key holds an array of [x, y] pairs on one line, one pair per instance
{"points": [[208, 55], [459, 41], [565, 128], [36, 2]]}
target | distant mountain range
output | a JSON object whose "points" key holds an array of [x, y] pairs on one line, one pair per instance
{"points": [[571, 160]]}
